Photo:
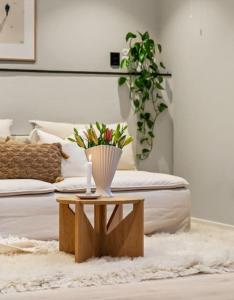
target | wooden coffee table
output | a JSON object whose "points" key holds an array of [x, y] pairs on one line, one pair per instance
{"points": [[116, 237]]}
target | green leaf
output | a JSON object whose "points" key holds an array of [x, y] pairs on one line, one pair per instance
{"points": [[99, 127], [150, 123], [162, 65], [139, 124], [76, 131], [142, 141], [145, 96], [130, 35], [122, 80], [162, 107], [145, 36], [151, 134], [148, 84], [139, 83], [147, 116], [136, 103], [145, 151], [159, 48], [158, 86], [124, 63], [71, 140], [128, 140], [160, 79]]}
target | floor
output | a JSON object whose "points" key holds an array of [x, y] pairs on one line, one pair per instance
{"points": [[199, 287]]}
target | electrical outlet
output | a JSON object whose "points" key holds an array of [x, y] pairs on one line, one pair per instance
{"points": [[115, 59]]}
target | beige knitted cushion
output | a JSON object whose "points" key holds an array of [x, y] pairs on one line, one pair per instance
{"points": [[30, 161]]}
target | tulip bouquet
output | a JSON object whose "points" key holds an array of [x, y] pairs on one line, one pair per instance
{"points": [[102, 135]]}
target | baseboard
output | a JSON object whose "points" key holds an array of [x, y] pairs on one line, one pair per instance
{"points": [[212, 223]]}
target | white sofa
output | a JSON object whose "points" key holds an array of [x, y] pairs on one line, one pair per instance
{"points": [[28, 208]]}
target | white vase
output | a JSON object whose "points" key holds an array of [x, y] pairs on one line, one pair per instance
{"points": [[105, 160]]}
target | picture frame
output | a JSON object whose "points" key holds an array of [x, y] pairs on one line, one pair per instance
{"points": [[18, 30]]}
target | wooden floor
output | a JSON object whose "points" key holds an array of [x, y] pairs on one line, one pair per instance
{"points": [[200, 287]]}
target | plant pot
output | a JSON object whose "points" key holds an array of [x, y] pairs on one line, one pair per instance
{"points": [[105, 160]]}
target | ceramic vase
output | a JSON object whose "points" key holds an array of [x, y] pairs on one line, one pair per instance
{"points": [[105, 160]]}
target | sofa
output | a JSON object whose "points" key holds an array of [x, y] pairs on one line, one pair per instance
{"points": [[28, 207]]}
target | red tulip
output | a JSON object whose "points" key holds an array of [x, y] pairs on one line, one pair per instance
{"points": [[108, 135]]}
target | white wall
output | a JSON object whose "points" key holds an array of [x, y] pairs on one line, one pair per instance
{"points": [[199, 50], [79, 35]]}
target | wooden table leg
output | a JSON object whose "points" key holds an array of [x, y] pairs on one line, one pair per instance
{"points": [[115, 218], [127, 238], [84, 235], [100, 229], [66, 229]]}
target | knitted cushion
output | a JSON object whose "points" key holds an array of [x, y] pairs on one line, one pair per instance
{"points": [[30, 161]]}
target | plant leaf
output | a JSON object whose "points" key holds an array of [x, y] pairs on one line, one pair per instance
{"points": [[71, 140], [147, 116], [124, 63], [158, 86], [162, 107], [143, 140], [145, 36], [150, 123], [145, 151], [139, 124], [159, 48], [136, 103], [128, 140], [122, 80], [130, 35]]}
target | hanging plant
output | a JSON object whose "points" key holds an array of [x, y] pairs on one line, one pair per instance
{"points": [[141, 59]]}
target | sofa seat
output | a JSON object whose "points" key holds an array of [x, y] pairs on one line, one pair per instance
{"points": [[33, 213], [126, 181], [16, 187]]}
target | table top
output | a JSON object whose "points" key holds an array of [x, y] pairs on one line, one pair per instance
{"points": [[100, 201]]}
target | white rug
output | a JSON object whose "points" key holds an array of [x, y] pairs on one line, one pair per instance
{"points": [[32, 265]]}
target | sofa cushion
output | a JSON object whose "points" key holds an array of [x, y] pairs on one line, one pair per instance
{"points": [[127, 181], [22, 161], [64, 130], [14, 187], [5, 126], [75, 165]]}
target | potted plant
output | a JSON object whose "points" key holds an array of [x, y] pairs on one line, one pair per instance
{"points": [[103, 146], [145, 83]]}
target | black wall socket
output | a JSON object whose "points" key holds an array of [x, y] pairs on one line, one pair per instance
{"points": [[115, 59]]}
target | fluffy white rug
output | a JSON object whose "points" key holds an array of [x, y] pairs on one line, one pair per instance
{"points": [[203, 250]]}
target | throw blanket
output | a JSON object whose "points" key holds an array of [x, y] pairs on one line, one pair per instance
{"points": [[14, 245]]}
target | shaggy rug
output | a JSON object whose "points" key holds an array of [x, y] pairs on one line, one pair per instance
{"points": [[36, 265]]}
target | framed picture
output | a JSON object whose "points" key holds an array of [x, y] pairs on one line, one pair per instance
{"points": [[17, 30]]}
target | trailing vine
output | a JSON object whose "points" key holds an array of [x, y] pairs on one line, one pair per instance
{"points": [[145, 85]]}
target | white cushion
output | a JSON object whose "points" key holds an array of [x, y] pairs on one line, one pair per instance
{"points": [[11, 187], [75, 165], [64, 130], [5, 126], [128, 181]]}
